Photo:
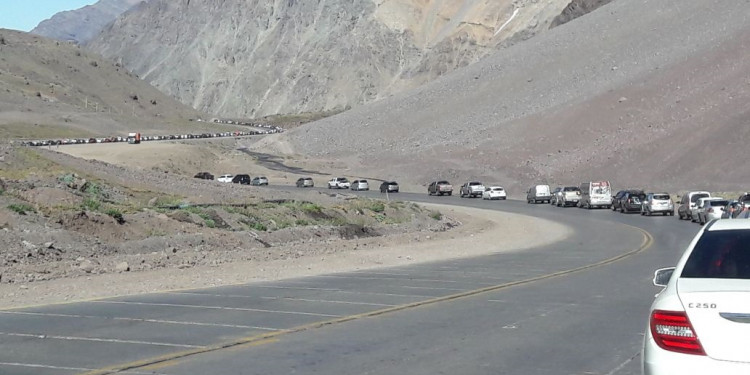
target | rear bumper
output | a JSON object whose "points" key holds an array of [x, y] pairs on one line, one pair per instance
{"points": [[657, 361]]}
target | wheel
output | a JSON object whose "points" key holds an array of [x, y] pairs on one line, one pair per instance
{"points": [[450, 193], [622, 210]]}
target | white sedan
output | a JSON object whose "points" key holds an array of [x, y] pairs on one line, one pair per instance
{"points": [[700, 322], [225, 178], [494, 192]]}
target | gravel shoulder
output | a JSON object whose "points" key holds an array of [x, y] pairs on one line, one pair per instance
{"points": [[481, 232]]}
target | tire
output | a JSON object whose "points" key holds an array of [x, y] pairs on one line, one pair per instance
{"points": [[622, 210], [450, 193]]}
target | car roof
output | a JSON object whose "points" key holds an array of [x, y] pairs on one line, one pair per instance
{"points": [[737, 224]]}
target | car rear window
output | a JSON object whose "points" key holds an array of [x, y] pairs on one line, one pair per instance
{"points": [[443, 183], [474, 183], [718, 203], [661, 197], [571, 188], [722, 254], [695, 197]]}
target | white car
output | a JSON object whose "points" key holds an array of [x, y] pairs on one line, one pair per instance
{"points": [[700, 322], [712, 209], [339, 183], [494, 192], [225, 178], [360, 185], [700, 207]]}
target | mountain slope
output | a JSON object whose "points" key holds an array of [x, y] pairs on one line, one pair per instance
{"points": [[50, 88], [82, 25], [254, 58], [649, 93]]}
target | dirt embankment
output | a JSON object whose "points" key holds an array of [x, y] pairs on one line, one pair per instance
{"points": [[76, 229]]}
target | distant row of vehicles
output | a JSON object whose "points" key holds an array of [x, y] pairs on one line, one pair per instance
{"points": [[470, 189], [242, 179], [697, 206], [136, 138], [361, 185]]}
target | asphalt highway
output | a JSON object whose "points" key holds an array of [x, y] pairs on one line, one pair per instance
{"points": [[578, 306]]}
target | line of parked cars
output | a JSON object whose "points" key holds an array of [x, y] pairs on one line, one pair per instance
{"points": [[242, 179], [697, 206], [470, 189], [114, 139]]}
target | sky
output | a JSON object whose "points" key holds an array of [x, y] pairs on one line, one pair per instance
{"points": [[24, 15]]}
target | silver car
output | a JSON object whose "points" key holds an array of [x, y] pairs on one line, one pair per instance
{"points": [[360, 185], [660, 203], [712, 209]]}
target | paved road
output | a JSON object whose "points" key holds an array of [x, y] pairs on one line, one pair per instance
{"points": [[528, 312]]}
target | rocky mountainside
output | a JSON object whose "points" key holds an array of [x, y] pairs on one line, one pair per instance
{"points": [[82, 25], [651, 93], [57, 89], [254, 58]]}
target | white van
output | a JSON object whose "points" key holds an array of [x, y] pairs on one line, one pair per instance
{"points": [[538, 193], [596, 194]]}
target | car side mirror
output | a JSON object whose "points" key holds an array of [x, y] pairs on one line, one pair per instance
{"points": [[662, 276]]}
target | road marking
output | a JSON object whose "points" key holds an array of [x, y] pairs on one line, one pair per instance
{"points": [[622, 365], [347, 291], [216, 308], [160, 321], [49, 367], [430, 288], [388, 278], [251, 340], [286, 299], [116, 341], [329, 301]]}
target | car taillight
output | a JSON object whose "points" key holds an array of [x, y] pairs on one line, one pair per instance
{"points": [[711, 210], [672, 331]]}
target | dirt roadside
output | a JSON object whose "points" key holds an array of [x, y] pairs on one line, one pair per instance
{"points": [[482, 232]]}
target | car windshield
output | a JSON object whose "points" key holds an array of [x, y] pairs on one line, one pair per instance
{"points": [[661, 197], [721, 254]]}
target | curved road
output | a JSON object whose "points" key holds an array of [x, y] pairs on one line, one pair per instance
{"points": [[574, 307]]}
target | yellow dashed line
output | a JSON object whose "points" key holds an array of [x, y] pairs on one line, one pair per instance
{"points": [[265, 338]]}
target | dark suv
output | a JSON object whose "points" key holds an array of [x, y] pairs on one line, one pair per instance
{"points": [[204, 176], [241, 179], [631, 201]]}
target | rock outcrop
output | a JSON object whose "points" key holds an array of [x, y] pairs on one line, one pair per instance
{"points": [[253, 58], [82, 25]]}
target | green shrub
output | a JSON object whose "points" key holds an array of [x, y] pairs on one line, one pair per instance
{"points": [[116, 214], [21, 208], [302, 223], [210, 223], [91, 204], [259, 227], [436, 215], [377, 206], [92, 188], [311, 208]]}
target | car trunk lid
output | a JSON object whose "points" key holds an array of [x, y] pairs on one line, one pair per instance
{"points": [[719, 310]]}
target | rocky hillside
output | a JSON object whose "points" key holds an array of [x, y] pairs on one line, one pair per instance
{"points": [[57, 89], [651, 93], [253, 58], [82, 25]]}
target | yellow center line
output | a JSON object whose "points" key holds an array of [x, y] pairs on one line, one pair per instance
{"points": [[264, 338]]}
